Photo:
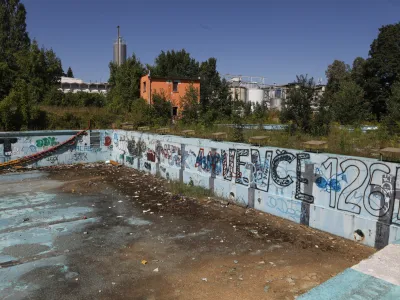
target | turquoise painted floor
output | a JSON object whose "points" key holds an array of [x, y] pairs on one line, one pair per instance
{"points": [[377, 277]]}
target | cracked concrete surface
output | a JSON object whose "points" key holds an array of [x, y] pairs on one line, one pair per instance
{"points": [[81, 232]]}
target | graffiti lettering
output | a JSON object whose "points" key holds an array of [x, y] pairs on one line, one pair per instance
{"points": [[107, 141], [46, 142], [239, 178], [79, 156], [281, 157], [299, 195], [261, 170]]}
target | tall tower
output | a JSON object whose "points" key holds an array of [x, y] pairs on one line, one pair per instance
{"points": [[119, 50]]}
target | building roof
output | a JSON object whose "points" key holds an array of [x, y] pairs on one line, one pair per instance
{"points": [[78, 81], [172, 78]]}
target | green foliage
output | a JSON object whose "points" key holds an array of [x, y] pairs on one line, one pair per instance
{"points": [[238, 135], [210, 83], [13, 39], [392, 121], [336, 73], [175, 64], [80, 99], [141, 113], [125, 84], [297, 108], [382, 68], [19, 109], [190, 100], [322, 117], [349, 106], [161, 111], [358, 71], [70, 73]]}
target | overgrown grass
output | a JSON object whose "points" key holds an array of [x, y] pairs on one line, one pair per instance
{"points": [[340, 141], [179, 188]]}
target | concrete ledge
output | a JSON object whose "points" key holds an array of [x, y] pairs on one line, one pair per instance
{"points": [[377, 277], [38, 133]]}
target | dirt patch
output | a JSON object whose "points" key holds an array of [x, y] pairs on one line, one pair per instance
{"points": [[203, 248]]}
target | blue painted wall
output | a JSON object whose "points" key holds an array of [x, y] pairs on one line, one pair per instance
{"points": [[333, 193]]}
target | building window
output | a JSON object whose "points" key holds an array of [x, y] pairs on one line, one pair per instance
{"points": [[144, 87], [175, 86], [175, 111]]}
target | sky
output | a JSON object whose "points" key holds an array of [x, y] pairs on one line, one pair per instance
{"points": [[275, 39]]}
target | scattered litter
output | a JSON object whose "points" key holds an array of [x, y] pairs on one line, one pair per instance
{"points": [[26, 219], [85, 232], [113, 283], [159, 204], [120, 216], [76, 279], [155, 270], [145, 211], [144, 262], [204, 279], [84, 217], [114, 163], [108, 162], [235, 261], [120, 201], [266, 288], [316, 246], [221, 241], [261, 262]]}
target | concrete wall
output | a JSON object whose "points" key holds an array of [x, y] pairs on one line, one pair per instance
{"points": [[338, 194], [95, 146]]}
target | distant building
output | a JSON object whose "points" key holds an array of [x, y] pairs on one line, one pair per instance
{"points": [[74, 85], [119, 48], [255, 90], [172, 88]]}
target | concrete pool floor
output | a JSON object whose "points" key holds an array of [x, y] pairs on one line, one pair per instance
{"points": [[82, 232]]}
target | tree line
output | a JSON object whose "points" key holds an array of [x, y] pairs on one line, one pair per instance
{"points": [[367, 91]]}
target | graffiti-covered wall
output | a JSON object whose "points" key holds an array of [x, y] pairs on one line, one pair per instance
{"points": [[351, 197], [94, 146]]}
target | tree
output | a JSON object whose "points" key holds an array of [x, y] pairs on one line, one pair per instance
{"points": [[161, 110], [39, 67], [175, 64], [70, 73], [297, 108], [358, 71], [349, 107], [190, 100], [19, 109], [392, 120], [238, 135], [382, 68], [210, 82], [337, 72], [13, 39], [125, 83], [260, 111]]}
